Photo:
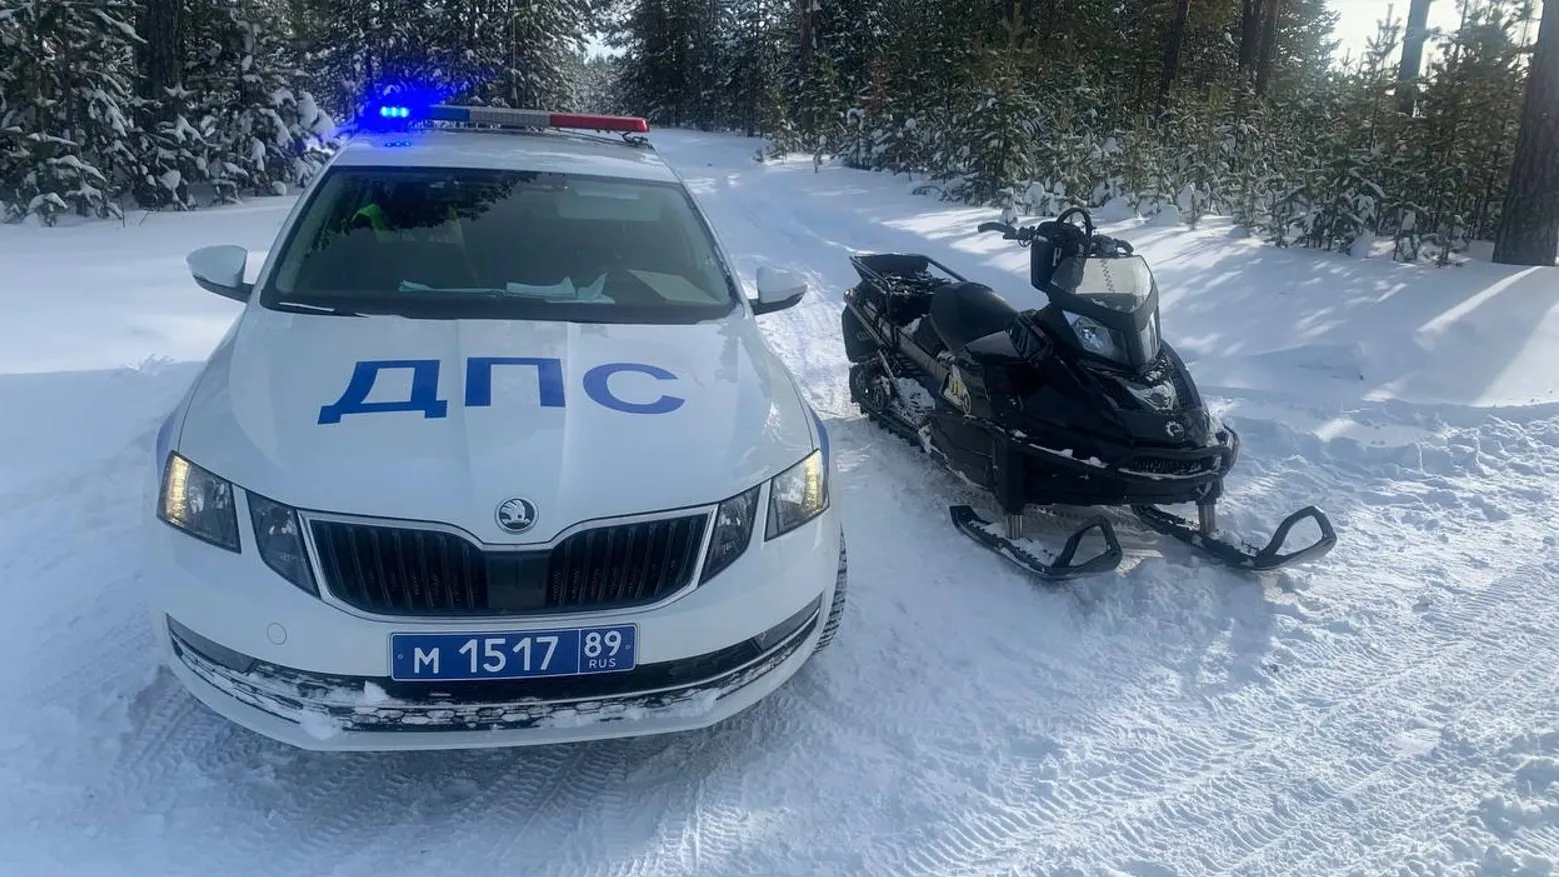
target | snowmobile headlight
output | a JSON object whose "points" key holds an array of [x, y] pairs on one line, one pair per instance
{"points": [[280, 536], [198, 502], [797, 495], [1095, 337], [733, 530]]}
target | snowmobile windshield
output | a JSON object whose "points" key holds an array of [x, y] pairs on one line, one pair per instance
{"points": [[1111, 307], [1121, 284]]}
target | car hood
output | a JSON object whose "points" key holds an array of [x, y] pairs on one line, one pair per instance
{"points": [[273, 413]]}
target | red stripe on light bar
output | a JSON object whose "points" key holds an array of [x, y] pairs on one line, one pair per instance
{"points": [[635, 124]]}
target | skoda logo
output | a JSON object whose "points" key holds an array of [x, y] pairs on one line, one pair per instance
{"points": [[517, 514], [1174, 429]]}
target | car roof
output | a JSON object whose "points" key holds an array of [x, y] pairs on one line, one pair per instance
{"points": [[497, 149]]}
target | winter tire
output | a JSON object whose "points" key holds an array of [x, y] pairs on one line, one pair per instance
{"points": [[836, 609]]}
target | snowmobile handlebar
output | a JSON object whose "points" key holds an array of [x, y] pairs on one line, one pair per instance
{"points": [[1066, 237]]}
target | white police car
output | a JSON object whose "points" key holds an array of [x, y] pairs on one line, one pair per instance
{"points": [[495, 454]]}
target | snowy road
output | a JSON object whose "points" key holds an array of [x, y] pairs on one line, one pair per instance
{"points": [[1391, 710]]}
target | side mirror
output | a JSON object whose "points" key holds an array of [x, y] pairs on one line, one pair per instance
{"points": [[220, 269], [778, 289]]}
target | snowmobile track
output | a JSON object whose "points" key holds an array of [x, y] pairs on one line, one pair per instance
{"points": [[1216, 779]]}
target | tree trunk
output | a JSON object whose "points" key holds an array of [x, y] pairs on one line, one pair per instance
{"points": [[1172, 46], [1250, 34], [1267, 57], [808, 10], [161, 56], [808, 24], [1529, 227], [1026, 15], [1412, 56], [1045, 19]]}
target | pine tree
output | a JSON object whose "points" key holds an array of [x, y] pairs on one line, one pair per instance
{"points": [[68, 120], [1529, 233]]}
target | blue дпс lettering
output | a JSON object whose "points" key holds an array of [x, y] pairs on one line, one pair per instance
{"points": [[479, 378], [479, 386], [597, 389], [424, 391]]}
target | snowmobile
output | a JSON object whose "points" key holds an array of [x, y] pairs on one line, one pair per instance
{"points": [[1078, 403]]}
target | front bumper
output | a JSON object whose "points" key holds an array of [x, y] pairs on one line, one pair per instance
{"points": [[285, 664], [314, 711]]}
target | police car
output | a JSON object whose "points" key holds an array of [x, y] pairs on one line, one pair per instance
{"points": [[495, 454]]}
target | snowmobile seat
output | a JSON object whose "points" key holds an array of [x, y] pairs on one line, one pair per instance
{"points": [[962, 312]]}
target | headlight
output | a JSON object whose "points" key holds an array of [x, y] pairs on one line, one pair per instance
{"points": [[199, 503], [1095, 337], [280, 536], [797, 495], [733, 530]]}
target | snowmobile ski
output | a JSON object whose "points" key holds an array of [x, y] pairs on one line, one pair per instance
{"points": [[1059, 565], [1233, 551]]}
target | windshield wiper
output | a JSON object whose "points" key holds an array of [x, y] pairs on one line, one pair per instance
{"points": [[296, 307]]}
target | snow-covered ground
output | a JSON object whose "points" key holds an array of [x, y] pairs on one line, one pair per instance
{"points": [[1390, 710]]}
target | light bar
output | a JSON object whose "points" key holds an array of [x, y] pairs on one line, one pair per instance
{"points": [[504, 117]]}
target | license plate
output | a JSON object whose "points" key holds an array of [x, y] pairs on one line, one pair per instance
{"points": [[524, 654]]}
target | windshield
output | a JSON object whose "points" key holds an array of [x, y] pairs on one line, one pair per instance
{"points": [[1120, 284], [459, 242]]}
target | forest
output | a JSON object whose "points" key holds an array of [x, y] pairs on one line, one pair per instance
{"points": [[1166, 109]]}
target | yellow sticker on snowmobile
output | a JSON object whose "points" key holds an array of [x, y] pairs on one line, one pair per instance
{"points": [[954, 391]]}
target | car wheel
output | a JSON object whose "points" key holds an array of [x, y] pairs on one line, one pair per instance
{"points": [[836, 609]]}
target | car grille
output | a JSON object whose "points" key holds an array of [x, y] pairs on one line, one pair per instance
{"points": [[402, 571]]}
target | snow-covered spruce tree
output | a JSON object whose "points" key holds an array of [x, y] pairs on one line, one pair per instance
{"points": [[275, 124], [989, 157], [257, 129], [1345, 165], [1457, 149], [360, 50], [68, 122], [917, 83], [523, 49], [751, 37], [595, 88], [822, 106], [890, 131], [669, 47]]}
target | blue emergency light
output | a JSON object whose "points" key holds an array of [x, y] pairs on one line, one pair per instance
{"points": [[504, 117]]}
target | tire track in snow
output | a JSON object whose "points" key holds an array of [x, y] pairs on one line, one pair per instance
{"points": [[1241, 807], [1213, 751], [1410, 798]]}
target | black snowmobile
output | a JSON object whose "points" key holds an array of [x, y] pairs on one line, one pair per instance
{"points": [[1077, 403]]}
